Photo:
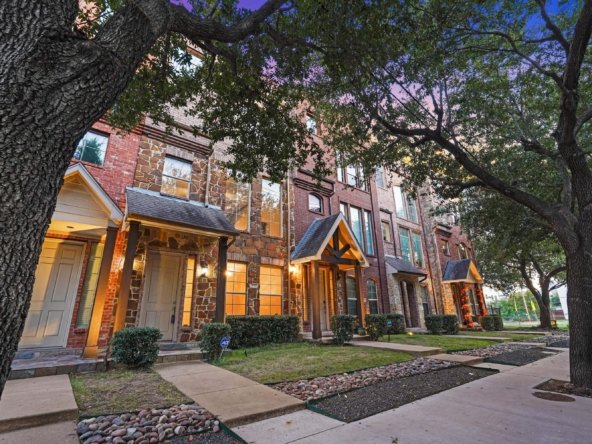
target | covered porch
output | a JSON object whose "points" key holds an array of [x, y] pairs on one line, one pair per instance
{"points": [[329, 262], [406, 291], [465, 286]]}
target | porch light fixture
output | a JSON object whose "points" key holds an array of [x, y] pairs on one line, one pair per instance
{"points": [[204, 267], [293, 269]]}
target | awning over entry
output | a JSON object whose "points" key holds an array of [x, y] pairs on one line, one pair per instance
{"points": [[330, 239], [149, 206], [463, 270], [400, 265]]}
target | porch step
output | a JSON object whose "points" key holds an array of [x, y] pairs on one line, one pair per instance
{"points": [[166, 346], [460, 359]]}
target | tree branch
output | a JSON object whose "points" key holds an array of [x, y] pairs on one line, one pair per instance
{"points": [[551, 26]]}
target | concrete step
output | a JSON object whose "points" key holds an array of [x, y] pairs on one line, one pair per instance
{"points": [[415, 350], [459, 359]]}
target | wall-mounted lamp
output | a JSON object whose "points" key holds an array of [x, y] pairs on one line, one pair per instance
{"points": [[293, 269], [204, 267]]}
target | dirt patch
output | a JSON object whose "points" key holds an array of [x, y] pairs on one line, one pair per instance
{"points": [[548, 396], [555, 385], [521, 357], [120, 391], [363, 402]]}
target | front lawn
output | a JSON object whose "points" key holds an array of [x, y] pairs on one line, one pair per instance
{"points": [[289, 362], [119, 391], [562, 325], [502, 334], [448, 343]]}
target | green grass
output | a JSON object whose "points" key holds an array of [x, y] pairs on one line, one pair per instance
{"points": [[448, 343], [502, 334], [119, 391], [290, 362]]}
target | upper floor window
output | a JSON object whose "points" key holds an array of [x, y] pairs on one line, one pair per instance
{"points": [[311, 124], [271, 208], [92, 148], [237, 205], [372, 294], [379, 177], [386, 231], [352, 175], [187, 63], [315, 203], [462, 251], [360, 222], [411, 246], [176, 177], [406, 206], [445, 247]]}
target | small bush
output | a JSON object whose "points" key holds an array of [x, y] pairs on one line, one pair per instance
{"points": [[253, 331], [343, 327], [450, 324], [211, 335], [375, 326], [498, 323], [136, 347], [398, 326], [487, 322], [434, 324]]}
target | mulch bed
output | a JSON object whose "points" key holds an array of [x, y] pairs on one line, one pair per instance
{"points": [[521, 357], [363, 402], [555, 385], [494, 350]]}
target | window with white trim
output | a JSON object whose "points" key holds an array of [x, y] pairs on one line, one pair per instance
{"points": [[176, 177]]}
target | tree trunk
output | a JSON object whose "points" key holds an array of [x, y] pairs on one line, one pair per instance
{"points": [[545, 316]]}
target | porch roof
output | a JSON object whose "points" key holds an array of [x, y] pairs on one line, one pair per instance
{"points": [[318, 237], [144, 204], [463, 270], [400, 265]]}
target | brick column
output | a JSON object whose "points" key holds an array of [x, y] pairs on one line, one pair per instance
{"points": [[314, 283], [126, 275]]}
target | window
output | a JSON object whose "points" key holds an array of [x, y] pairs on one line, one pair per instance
{"points": [[475, 309], [89, 290], [356, 224], [186, 64], [315, 203], [188, 296], [343, 209], [379, 177], [404, 239], [353, 175], [352, 296], [425, 300], [462, 251], [237, 207], [406, 205], [92, 148], [372, 296], [445, 247], [311, 124], [270, 295], [176, 177], [417, 249], [386, 231], [236, 289], [271, 208], [368, 233]]}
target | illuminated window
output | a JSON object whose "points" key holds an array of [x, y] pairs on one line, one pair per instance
{"points": [[237, 206], [386, 231], [271, 208], [372, 296], [176, 177], [236, 289], [270, 294], [92, 148], [188, 296], [352, 296], [315, 203], [462, 251]]}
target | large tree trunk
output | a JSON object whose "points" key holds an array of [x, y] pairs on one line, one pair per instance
{"points": [[544, 310]]}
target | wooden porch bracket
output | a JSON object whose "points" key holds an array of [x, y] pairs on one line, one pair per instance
{"points": [[126, 275], [221, 279]]}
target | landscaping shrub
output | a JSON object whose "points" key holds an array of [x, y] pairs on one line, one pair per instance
{"points": [[343, 327], [398, 326], [211, 335], [450, 324], [136, 347], [498, 323], [487, 322], [253, 331], [434, 324], [375, 326]]}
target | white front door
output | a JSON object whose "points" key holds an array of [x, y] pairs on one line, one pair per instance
{"points": [[161, 292], [56, 282]]}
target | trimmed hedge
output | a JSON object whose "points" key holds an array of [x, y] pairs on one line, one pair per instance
{"points": [[343, 327], [498, 323], [136, 347], [434, 324], [398, 326], [450, 324], [253, 331], [375, 326], [211, 335], [487, 322]]}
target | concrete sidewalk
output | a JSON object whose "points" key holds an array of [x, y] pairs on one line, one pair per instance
{"points": [[492, 410], [234, 399], [415, 350]]}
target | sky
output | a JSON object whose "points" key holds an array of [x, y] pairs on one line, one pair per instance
{"points": [[248, 4]]}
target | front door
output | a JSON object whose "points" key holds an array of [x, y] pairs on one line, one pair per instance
{"points": [[323, 276], [161, 292], [56, 282]]}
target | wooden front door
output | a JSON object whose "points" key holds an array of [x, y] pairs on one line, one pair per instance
{"points": [[161, 292], [56, 282], [326, 291]]}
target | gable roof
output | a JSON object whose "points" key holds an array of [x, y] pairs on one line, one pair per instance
{"points": [[400, 265], [144, 204], [320, 233], [463, 270]]}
